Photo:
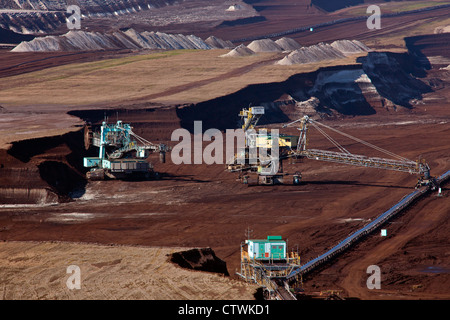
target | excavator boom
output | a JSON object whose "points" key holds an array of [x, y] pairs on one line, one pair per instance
{"points": [[363, 161], [299, 148]]}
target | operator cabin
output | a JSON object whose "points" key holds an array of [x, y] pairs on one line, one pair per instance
{"points": [[273, 248]]}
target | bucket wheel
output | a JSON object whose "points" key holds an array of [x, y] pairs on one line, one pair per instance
{"points": [[87, 136]]}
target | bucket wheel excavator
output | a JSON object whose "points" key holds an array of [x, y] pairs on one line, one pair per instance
{"points": [[291, 146], [122, 153]]}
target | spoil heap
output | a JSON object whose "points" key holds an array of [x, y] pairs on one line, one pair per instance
{"points": [[265, 45], [217, 43], [311, 54], [288, 44], [130, 39], [324, 51], [349, 47], [239, 51]]}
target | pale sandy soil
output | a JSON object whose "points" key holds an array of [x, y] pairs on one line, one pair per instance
{"points": [[38, 270]]}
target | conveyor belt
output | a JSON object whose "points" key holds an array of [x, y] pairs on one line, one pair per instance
{"points": [[353, 238]]}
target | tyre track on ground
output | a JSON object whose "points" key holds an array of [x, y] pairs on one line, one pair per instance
{"points": [[196, 84]]}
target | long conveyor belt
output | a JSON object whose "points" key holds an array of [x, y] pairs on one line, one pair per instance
{"points": [[354, 237]]}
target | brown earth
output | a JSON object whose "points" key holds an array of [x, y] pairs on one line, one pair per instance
{"points": [[204, 206], [23, 62], [200, 205]]}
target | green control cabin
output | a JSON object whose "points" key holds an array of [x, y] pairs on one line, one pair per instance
{"points": [[272, 248]]}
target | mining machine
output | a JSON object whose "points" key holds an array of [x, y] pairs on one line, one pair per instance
{"points": [[122, 153], [292, 146]]}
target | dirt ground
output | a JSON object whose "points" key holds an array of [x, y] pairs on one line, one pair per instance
{"points": [[119, 230], [200, 205], [107, 273]]}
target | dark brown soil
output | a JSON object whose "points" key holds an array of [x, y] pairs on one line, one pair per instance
{"points": [[204, 206]]}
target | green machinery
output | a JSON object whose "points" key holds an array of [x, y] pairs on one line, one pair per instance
{"points": [[271, 248], [266, 261]]}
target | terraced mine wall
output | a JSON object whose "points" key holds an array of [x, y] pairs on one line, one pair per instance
{"points": [[23, 22], [43, 170], [10, 37], [48, 15], [367, 86]]}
